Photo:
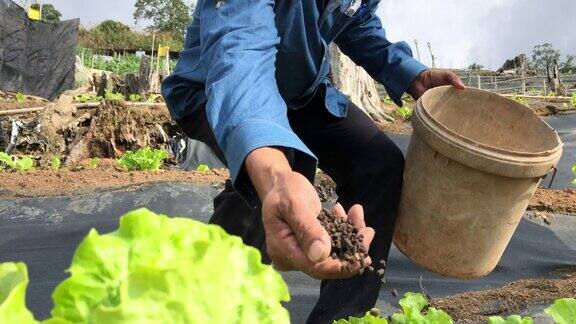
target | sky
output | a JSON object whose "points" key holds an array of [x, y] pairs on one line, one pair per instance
{"points": [[460, 32]]}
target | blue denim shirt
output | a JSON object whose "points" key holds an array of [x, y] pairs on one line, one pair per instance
{"points": [[251, 60]]}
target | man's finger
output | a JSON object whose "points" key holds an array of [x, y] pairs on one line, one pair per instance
{"points": [[311, 235], [356, 216], [339, 211], [454, 80], [292, 257]]}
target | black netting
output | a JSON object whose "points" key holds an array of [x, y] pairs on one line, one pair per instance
{"points": [[36, 58]]}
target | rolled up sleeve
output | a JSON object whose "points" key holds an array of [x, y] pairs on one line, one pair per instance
{"points": [[244, 107], [391, 64]]}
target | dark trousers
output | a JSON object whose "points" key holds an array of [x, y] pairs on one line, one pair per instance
{"points": [[367, 168]]}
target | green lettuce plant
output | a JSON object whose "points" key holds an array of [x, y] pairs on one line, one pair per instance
{"points": [[513, 319], [371, 317], [113, 96], [14, 163], [20, 98], [202, 168], [13, 283], [143, 159], [84, 98], [93, 163], [134, 97], [156, 269], [55, 163], [563, 311], [574, 173], [415, 310]]}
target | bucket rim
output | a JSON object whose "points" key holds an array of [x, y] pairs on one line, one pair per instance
{"points": [[420, 108]]}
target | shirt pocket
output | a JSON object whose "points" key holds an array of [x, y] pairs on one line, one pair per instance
{"points": [[337, 21]]}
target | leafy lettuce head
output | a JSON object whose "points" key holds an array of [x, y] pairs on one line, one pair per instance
{"points": [[13, 283], [156, 269]]}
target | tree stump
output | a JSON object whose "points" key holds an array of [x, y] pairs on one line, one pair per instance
{"points": [[354, 82]]}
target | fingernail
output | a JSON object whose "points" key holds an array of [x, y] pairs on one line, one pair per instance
{"points": [[316, 251]]}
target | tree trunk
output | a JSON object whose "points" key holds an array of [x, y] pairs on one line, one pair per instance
{"points": [[354, 82]]}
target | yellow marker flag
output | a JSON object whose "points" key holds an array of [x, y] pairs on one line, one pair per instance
{"points": [[163, 50], [34, 14]]}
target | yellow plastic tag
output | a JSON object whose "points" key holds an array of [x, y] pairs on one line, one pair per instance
{"points": [[34, 14], [163, 50]]}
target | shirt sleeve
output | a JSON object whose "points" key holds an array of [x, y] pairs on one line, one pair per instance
{"points": [[244, 108], [391, 64]]}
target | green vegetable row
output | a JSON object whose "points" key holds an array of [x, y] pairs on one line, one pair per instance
{"points": [[415, 310]]}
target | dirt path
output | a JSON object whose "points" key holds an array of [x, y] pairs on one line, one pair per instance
{"points": [[519, 295], [106, 177]]}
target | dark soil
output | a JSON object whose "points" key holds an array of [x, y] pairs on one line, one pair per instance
{"points": [[325, 187], [346, 242], [517, 296], [559, 201]]}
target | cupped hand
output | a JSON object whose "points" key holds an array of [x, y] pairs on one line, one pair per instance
{"points": [[430, 79], [295, 239]]}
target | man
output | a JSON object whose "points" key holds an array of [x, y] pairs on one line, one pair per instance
{"points": [[253, 84]]}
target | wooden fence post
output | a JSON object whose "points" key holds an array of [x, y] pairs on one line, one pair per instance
{"points": [[479, 82]]}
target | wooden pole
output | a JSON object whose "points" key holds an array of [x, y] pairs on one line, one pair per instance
{"points": [[479, 82], [417, 49], [152, 55]]}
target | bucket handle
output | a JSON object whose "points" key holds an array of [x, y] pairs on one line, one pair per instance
{"points": [[554, 170]]}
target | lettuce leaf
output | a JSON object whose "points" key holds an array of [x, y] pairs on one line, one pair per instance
{"points": [[172, 270], [13, 283], [563, 311]]}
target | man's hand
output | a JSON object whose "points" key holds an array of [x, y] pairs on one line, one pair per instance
{"points": [[434, 78], [295, 239]]}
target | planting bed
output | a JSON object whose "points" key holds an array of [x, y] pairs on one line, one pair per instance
{"points": [[44, 214]]}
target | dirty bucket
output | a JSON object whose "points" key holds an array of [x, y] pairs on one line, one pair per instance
{"points": [[475, 160]]}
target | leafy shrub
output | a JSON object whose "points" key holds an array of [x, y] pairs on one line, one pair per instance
{"points": [[563, 311], [156, 269], [143, 159], [404, 112], [13, 283], [55, 163], [14, 163]]}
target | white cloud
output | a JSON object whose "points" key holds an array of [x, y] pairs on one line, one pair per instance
{"points": [[487, 32]]}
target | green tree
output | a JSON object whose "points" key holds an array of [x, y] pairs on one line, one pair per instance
{"points": [[568, 66], [475, 66], [50, 14], [542, 55], [167, 16]]}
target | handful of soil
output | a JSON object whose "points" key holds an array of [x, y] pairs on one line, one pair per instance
{"points": [[347, 242]]}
